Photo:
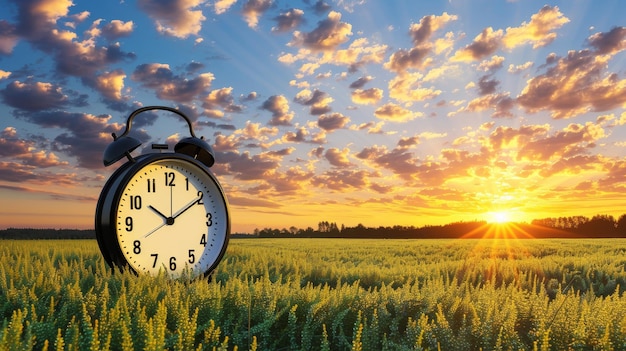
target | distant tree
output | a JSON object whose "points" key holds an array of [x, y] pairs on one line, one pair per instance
{"points": [[599, 226], [621, 226]]}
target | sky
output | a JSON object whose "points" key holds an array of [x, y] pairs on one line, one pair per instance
{"points": [[378, 113]]}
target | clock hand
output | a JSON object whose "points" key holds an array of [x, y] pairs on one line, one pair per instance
{"points": [[154, 230], [168, 220], [186, 207], [158, 212]]}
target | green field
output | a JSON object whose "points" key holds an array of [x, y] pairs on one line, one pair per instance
{"points": [[323, 294]]}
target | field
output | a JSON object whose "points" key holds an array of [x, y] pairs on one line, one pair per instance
{"points": [[323, 294]]}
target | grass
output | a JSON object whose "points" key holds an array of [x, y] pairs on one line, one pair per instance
{"points": [[316, 294]]}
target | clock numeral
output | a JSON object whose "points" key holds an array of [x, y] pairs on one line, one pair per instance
{"points": [[209, 221], [155, 259], [137, 247], [203, 240], [187, 184], [135, 202], [192, 257], [129, 224], [172, 263], [151, 185], [201, 195], [169, 178]]}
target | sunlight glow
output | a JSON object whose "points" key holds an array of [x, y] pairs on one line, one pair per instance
{"points": [[499, 217]]}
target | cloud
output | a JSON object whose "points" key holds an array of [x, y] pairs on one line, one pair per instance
{"points": [[37, 18], [358, 54], [8, 37], [519, 68], [301, 135], [247, 201], [278, 105], [342, 180], [117, 29], [87, 134], [610, 42], [360, 83], [317, 100], [422, 31], [573, 85], [20, 173], [501, 103], [169, 86], [243, 166], [338, 158], [221, 6], [402, 60], [407, 88], [111, 84], [177, 18], [37, 23], [484, 44], [395, 113], [406, 142], [487, 85], [539, 31], [289, 20], [34, 96], [11, 146], [253, 9], [401, 162], [492, 64], [254, 131], [220, 98], [333, 121], [418, 55], [77, 18], [572, 140], [327, 36], [369, 96]]}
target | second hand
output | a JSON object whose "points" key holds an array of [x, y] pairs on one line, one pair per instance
{"points": [[171, 200]]}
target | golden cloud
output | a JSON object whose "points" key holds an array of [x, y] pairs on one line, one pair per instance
{"points": [[367, 97], [539, 31], [395, 113]]}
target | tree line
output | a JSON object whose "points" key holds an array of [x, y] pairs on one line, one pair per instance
{"points": [[599, 226], [35, 233]]}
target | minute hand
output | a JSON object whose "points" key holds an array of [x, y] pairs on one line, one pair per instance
{"points": [[186, 207]]}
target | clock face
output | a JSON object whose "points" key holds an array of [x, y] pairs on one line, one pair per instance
{"points": [[171, 217]]}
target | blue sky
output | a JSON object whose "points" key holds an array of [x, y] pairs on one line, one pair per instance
{"points": [[372, 112]]}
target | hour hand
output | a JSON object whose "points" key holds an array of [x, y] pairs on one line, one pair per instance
{"points": [[168, 220], [158, 212]]}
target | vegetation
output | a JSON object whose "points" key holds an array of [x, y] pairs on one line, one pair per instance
{"points": [[331, 294], [599, 226]]}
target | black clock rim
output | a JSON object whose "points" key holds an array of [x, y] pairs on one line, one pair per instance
{"points": [[111, 194], [100, 235]]}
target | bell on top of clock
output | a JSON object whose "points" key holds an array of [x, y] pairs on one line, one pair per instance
{"points": [[123, 145]]}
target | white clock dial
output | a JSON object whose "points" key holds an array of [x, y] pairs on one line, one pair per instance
{"points": [[171, 217]]}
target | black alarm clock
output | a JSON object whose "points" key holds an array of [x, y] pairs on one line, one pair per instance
{"points": [[162, 213]]}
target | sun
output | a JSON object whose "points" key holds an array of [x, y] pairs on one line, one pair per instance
{"points": [[499, 217]]}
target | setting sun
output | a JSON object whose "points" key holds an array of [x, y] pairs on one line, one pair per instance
{"points": [[499, 217]]}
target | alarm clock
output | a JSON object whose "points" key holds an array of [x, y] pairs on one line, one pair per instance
{"points": [[162, 213]]}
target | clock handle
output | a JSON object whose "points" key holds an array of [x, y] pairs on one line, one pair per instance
{"points": [[129, 122], [192, 146]]}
